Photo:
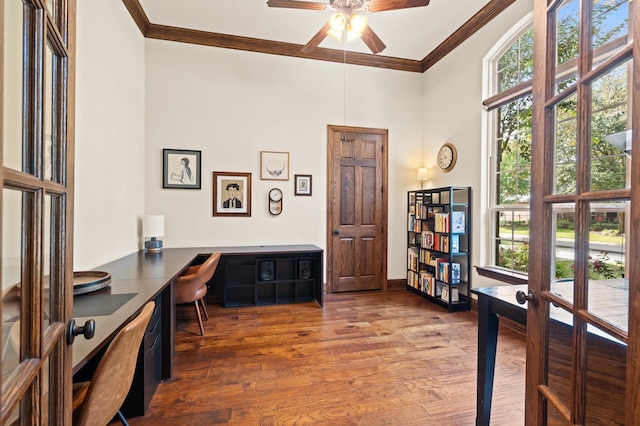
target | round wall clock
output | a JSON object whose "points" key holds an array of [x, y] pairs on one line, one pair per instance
{"points": [[447, 156], [275, 201]]}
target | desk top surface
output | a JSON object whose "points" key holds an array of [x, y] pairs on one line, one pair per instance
{"points": [[608, 299]]}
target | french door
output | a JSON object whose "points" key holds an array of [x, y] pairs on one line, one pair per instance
{"points": [[583, 333], [37, 72]]}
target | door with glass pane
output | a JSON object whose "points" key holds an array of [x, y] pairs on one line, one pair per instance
{"points": [[36, 44], [580, 333]]}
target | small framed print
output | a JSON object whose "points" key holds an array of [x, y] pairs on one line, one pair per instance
{"points": [[231, 194], [274, 165], [181, 169], [303, 184]]}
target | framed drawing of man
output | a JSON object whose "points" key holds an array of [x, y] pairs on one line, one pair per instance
{"points": [[231, 194]]}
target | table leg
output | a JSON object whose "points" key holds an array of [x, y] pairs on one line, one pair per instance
{"points": [[487, 344]]}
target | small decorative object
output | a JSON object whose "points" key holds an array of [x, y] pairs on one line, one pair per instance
{"points": [[231, 194], [181, 169], [447, 156], [303, 184], [275, 201], [153, 227], [274, 165]]}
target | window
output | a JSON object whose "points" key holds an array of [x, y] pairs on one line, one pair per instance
{"points": [[508, 76], [510, 80]]}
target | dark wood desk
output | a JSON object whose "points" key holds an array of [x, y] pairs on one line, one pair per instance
{"points": [[146, 276], [606, 355]]}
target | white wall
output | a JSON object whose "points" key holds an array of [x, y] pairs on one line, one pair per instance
{"points": [[110, 133], [453, 112], [232, 104]]}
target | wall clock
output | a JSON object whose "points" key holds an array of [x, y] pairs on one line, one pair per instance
{"points": [[447, 156], [275, 201]]}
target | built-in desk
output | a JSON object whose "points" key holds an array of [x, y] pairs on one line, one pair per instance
{"points": [[141, 277]]}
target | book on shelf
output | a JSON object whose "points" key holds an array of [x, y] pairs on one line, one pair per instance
{"points": [[457, 222], [454, 243], [455, 295], [412, 259]]}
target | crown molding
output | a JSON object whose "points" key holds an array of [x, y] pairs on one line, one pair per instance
{"points": [[226, 41]]}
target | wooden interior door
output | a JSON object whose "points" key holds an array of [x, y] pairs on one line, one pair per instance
{"points": [[357, 209], [583, 333], [37, 95]]}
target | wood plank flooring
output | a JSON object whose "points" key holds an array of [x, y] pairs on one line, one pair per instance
{"points": [[367, 358]]}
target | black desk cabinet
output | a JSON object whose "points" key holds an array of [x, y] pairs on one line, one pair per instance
{"points": [[249, 276]]}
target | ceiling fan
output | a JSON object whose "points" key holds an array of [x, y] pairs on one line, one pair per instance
{"points": [[348, 20]]}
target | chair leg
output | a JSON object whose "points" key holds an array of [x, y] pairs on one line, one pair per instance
{"points": [[195, 304], [122, 419], [204, 309]]}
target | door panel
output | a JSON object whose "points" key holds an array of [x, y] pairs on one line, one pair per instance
{"points": [[357, 216], [582, 330], [37, 181]]}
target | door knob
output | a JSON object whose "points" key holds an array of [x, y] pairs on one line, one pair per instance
{"points": [[87, 330], [530, 297], [337, 232]]}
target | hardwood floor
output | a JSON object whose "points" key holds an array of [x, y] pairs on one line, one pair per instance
{"points": [[369, 358]]}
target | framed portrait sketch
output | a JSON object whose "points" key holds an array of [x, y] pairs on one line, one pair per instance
{"points": [[302, 184], [231, 194], [181, 168], [274, 165]]}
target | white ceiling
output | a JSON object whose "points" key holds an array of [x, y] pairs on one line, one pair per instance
{"points": [[408, 33]]}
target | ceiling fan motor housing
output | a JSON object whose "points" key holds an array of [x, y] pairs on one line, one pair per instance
{"points": [[351, 5]]}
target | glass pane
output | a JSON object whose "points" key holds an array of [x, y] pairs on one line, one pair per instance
{"points": [[559, 363], [512, 240], [607, 262], [514, 152], [48, 113], [610, 27], [567, 43], [610, 151], [565, 145], [11, 276], [515, 66], [564, 242], [12, 84], [46, 245], [606, 370]]}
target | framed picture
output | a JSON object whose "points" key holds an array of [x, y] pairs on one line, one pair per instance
{"points": [[181, 168], [303, 184], [231, 194], [274, 165]]}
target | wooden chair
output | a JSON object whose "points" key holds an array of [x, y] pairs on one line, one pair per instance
{"points": [[97, 402], [191, 287]]}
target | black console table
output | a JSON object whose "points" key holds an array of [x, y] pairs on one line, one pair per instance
{"points": [[266, 275]]}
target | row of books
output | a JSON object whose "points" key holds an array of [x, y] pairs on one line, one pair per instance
{"points": [[432, 241], [448, 272], [450, 222], [426, 211], [423, 281]]}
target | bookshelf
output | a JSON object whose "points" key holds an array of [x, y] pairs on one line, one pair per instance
{"points": [[439, 245]]}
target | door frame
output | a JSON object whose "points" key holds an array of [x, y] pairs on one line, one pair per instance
{"points": [[332, 206]]}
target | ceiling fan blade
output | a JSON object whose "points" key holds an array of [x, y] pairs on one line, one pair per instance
{"points": [[317, 39], [382, 5], [292, 4], [372, 40]]}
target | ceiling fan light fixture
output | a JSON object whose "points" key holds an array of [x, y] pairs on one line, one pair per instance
{"points": [[357, 25], [337, 24]]}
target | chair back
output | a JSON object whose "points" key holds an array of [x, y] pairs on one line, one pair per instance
{"points": [[193, 285], [113, 377]]}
